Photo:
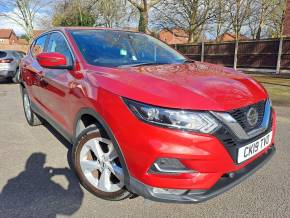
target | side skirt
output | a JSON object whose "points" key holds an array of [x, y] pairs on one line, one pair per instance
{"points": [[56, 126]]}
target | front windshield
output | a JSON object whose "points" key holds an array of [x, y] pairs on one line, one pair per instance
{"points": [[111, 48]]}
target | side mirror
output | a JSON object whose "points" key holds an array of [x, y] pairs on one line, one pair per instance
{"points": [[53, 60]]}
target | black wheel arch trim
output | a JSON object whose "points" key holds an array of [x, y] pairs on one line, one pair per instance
{"points": [[98, 117]]}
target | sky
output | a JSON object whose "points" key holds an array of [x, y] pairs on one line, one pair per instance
{"points": [[6, 23]]}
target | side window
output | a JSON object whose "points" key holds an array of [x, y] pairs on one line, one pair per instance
{"points": [[38, 46], [57, 43]]}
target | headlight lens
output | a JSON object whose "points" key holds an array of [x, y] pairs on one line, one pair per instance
{"points": [[197, 121]]}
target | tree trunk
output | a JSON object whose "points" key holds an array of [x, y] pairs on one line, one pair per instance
{"points": [[192, 37], [236, 53], [278, 67], [143, 21], [258, 35]]}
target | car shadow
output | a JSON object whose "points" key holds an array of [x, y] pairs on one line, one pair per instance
{"points": [[33, 193], [5, 81], [61, 139]]}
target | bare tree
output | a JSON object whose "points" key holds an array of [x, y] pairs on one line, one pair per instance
{"points": [[23, 12], [74, 13], [110, 13], [239, 11], [275, 20], [143, 7], [189, 15], [221, 21], [261, 12]]}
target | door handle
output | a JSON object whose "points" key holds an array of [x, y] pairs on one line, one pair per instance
{"points": [[40, 75], [41, 78]]}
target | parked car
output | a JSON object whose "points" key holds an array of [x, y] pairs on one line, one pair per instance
{"points": [[21, 53], [145, 120], [9, 65]]}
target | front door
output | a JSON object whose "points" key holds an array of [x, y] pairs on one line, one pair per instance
{"points": [[57, 83], [34, 72]]}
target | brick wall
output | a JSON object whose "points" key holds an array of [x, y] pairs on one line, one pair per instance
{"points": [[4, 42], [287, 20], [16, 47]]}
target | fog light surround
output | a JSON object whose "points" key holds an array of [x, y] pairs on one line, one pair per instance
{"points": [[169, 166]]}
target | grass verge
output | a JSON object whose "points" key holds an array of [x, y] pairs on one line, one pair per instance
{"points": [[277, 87]]}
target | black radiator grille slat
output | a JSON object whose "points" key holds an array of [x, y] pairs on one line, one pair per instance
{"points": [[241, 115]]}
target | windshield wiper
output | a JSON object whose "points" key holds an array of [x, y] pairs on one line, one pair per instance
{"points": [[142, 64], [188, 61], [152, 63]]}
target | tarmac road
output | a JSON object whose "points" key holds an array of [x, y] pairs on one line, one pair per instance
{"points": [[35, 179]]}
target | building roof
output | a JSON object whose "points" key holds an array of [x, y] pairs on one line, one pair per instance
{"points": [[231, 37], [6, 33], [176, 32], [22, 42], [37, 33], [173, 36]]}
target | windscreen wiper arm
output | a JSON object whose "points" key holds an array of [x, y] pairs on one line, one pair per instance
{"points": [[142, 64]]}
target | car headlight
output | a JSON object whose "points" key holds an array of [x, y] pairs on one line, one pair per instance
{"points": [[198, 121]]}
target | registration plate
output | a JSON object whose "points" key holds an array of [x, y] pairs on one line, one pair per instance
{"points": [[254, 148]]}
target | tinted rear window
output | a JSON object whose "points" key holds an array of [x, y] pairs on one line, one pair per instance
{"points": [[2, 54]]}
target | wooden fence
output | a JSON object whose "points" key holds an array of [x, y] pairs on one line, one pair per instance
{"points": [[263, 54]]}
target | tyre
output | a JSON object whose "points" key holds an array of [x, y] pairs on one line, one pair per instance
{"points": [[31, 117], [16, 78], [98, 166], [9, 80]]}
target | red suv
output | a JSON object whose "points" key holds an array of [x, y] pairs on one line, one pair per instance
{"points": [[142, 118]]}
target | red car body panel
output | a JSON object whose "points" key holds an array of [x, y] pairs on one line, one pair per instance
{"points": [[193, 86], [212, 87], [203, 153]]}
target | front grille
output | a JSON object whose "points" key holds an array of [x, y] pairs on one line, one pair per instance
{"points": [[232, 143], [241, 115]]}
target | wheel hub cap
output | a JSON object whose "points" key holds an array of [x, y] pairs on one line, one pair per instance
{"points": [[100, 165], [27, 108]]}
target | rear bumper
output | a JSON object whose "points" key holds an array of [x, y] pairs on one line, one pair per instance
{"points": [[6, 73], [196, 196]]}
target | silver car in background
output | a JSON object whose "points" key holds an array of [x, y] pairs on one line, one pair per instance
{"points": [[9, 65]]}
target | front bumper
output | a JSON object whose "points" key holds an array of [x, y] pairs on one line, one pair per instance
{"points": [[224, 184], [209, 157]]}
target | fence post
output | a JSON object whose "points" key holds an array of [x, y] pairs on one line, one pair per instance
{"points": [[202, 52], [279, 56], [236, 54]]}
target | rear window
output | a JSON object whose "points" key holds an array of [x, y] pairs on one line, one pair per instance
{"points": [[2, 54]]}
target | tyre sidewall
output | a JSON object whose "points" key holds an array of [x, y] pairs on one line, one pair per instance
{"points": [[85, 136], [30, 122]]}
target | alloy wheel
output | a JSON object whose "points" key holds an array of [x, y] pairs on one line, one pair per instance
{"points": [[27, 108], [100, 165]]}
